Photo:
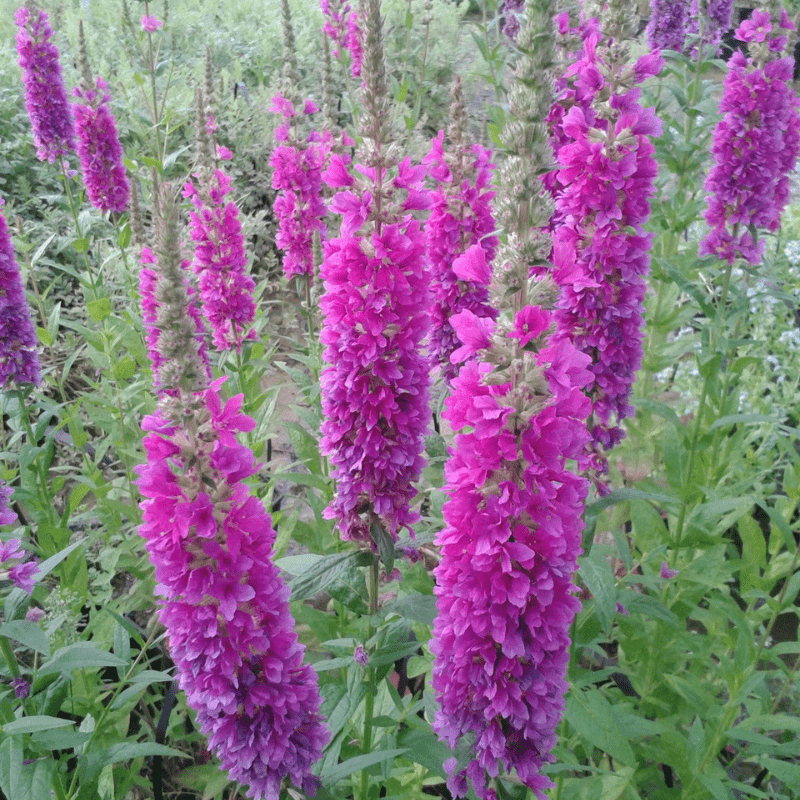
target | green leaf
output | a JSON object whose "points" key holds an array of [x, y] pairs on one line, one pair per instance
{"points": [[81, 655], [695, 744], [90, 764], [39, 722], [28, 634], [416, 607], [99, 308], [81, 245], [340, 771], [788, 774], [10, 766], [392, 652], [383, 540], [44, 336], [423, 747], [593, 717], [596, 573], [327, 571], [36, 780], [59, 739], [124, 238]]}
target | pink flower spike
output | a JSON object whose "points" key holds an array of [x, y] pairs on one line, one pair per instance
{"points": [[151, 24], [310, 107], [223, 154], [472, 266], [529, 323], [666, 573]]}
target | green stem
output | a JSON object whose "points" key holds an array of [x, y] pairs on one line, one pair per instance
{"points": [[366, 746], [58, 789]]}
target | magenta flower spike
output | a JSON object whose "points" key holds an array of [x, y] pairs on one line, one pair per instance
{"points": [[45, 94], [460, 240], [710, 24], [600, 252], [19, 359], [512, 534], [226, 609], [374, 387], [755, 143], [99, 149], [226, 290], [297, 175]]}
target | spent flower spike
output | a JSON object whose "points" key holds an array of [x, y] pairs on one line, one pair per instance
{"points": [[45, 93]]}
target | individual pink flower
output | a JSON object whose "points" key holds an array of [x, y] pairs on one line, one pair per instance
{"points": [[151, 24], [99, 149], [666, 573], [226, 290], [15, 568], [755, 146], [504, 589], [225, 607], [45, 93], [19, 358]]}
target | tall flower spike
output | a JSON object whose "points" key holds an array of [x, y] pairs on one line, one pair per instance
{"points": [[375, 317], [297, 163], [98, 147], [226, 609], [459, 234], [601, 256], [226, 290], [19, 360], [513, 514], [45, 94], [755, 143]]}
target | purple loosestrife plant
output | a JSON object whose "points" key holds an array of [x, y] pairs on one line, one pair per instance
{"points": [[225, 607], [508, 549], [343, 27], [513, 514], [13, 565], [755, 143], [600, 252], [375, 317], [297, 163], [99, 149], [45, 93], [19, 359], [459, 234]]}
